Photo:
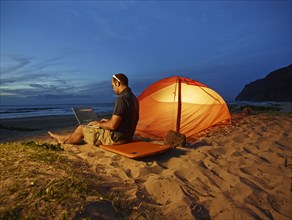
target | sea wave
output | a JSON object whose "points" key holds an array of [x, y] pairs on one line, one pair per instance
{"points": [[23, 111]]}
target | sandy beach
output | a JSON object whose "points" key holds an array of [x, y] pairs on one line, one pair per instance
{"points": [[237, 171]]}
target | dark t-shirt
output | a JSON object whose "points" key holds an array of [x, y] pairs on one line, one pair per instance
{"points": [[127, 107]]}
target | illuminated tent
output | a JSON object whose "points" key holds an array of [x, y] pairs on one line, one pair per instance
{"points": [[180, 104]]}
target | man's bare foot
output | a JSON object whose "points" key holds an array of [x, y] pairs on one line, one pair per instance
{"points": [[61, 139]]}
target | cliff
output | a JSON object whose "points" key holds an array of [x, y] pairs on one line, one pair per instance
{"points": [[276, 86]]}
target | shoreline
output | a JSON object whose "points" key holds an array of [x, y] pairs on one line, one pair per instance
{"points": [[47, 118], [19, 129]]}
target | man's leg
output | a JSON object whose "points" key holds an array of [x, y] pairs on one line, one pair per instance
{"points": [[74, 138]]}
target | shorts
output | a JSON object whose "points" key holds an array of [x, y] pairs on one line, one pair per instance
{"points": [[97, 136]]}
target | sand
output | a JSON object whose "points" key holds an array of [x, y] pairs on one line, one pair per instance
{"points": [[238, 171]]}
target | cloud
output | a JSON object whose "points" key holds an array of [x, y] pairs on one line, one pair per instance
{"points": [[12, 63], [33, 80], [35, 85], [24, 75]]}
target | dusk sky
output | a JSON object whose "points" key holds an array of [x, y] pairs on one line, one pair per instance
{"points": [[67, 51]]}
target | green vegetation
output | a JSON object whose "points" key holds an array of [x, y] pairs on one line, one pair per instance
{"points": [[40, 181], [57, 147]]}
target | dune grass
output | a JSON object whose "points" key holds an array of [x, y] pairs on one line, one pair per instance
{"points": [[39, 181]]}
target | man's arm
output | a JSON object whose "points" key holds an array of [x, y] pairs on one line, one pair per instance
{"points": [[111, 124]]}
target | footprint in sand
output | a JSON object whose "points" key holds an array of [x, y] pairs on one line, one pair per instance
{"points": [[165, 191]]}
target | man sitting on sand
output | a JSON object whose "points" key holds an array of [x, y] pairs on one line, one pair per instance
{"points": [[119, 129]]}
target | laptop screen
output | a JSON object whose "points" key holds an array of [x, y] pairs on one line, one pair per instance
{"points": [[85, 115]]}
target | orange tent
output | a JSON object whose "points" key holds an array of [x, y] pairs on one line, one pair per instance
{"points": [[180, 104]]}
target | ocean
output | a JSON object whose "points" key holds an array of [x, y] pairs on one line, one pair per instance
{"points": [[23, 111]]}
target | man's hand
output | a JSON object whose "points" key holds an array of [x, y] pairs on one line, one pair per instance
{"points": [[111, 124]]}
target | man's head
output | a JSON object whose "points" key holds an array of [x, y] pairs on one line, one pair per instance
{"points": [[119, 82]]}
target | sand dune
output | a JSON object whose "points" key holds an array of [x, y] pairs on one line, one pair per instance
{"points": [[239, 171]]}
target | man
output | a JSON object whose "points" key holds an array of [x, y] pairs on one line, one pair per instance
{"points": [[119, 129]]}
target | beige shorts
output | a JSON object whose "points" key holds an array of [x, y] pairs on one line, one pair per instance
{"points": [[97, 136]]}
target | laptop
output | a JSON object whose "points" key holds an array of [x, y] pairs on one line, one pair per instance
{"points": [[85, 115]]}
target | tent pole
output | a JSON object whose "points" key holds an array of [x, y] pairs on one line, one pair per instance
{"points": [[178, 107]]}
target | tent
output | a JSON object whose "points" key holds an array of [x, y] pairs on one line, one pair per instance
{"points": [[180, 104]]}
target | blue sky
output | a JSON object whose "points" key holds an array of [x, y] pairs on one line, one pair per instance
{"points": [[66, 51]]}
